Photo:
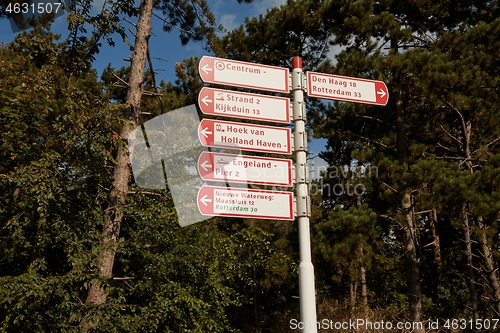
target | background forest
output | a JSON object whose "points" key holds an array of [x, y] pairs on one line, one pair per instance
{"points": [[83, 249]]}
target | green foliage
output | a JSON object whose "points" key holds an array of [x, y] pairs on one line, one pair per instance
{"points": [[58, 142], [436, 138], [298, 28], [53, 171]]}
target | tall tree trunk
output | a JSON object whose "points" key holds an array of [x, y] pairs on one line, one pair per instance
{"points": [[435, 237], [364, 291], [353, 290], [119, 189], [491, 270], [409, 230], [470, 264], [411, 262]]}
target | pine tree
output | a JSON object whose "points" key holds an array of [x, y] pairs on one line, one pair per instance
{"points": [[398, 43]]}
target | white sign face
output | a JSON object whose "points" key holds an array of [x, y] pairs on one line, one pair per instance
{"points": [[227, 134], [244, 74], [245, 203], [242, 105], [344, 88], [245, 169]]}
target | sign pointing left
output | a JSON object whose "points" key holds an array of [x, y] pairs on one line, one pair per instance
{"points": [[244, 74], [206, 69], [205, 200], [228, 134], [241, 105], [245, 169], [245, 203]]}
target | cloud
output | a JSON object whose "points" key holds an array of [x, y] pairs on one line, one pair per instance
{"points": [[97, 6], [229, 21], [261, 6], [333, 52]]}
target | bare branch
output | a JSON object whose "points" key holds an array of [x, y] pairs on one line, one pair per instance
{"points": [[444, 147], [143, 192], [370, 140], [451, 136], [392, 188], [489, 144], [120, 79], [170, 24], [128, 21], [150, 93], [423, 212], [154, 79], [376, 119]]}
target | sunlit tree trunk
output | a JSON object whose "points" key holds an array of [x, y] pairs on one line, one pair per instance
{"points": [[353, 290], [470, 264], [411, 261], [119, 189], [364, 290], [491, 270], [435, 238]]}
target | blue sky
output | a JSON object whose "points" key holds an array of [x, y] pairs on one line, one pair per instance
{"points": [[162, 44], [166, 48]]}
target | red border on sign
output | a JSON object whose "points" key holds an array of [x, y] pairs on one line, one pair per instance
{"points": [[208, 142], [209, 176], [208, 209], [211, 110], [209, 77], [377, 85]]}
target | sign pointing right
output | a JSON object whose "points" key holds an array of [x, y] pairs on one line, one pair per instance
{"points": [[349, 89]]}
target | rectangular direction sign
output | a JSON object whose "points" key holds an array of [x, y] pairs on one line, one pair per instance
{"points": [[245, 203], [245, 169], [244, 74], [344, 88], [227, 134], [236, 104]]}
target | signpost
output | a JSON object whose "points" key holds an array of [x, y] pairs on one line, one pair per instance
{"points": [[243, 74], [222, 167], [307, 291], [242, 105], [253, 203], [227, 134], [344, 88], [245, 203], [245, 169]]}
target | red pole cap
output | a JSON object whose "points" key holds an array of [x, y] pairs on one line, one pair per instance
{"points": [[296, 62]]}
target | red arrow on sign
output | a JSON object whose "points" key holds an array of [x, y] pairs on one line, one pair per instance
{"points": [[243, 74], [245, 203], [245, 169], [237, 104], [228, 134], [349, 89]]}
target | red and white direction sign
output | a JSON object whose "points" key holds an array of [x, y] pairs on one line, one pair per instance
{"points": [[236, 104], [344, 88], [245, 203], [228, 134], [245, 169], [243, 74]]}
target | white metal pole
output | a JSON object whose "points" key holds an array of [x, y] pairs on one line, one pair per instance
{"points": [[307, 291]]}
